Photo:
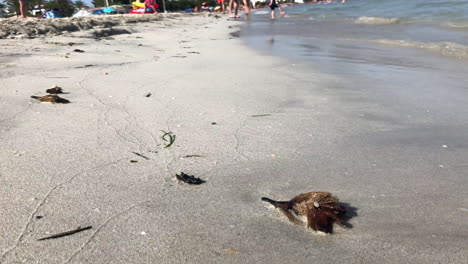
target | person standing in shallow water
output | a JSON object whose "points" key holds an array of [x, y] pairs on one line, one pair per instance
{"points": [[22, 6], [247, 7], [272, 6], [234, 8]]}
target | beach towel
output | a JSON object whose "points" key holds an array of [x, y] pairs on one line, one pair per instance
{"points": [[51, 14]]}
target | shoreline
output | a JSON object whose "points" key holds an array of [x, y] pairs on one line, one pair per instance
{"points": [[280, 128]]}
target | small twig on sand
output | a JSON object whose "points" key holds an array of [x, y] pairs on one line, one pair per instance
{"points": [[194, 156], [68, 233], [140, 155]]}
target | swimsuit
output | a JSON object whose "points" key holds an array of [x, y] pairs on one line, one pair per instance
{"points": [[273, 5]]}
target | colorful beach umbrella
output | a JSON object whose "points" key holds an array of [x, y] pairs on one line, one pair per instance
{"points": [[109, 10]]}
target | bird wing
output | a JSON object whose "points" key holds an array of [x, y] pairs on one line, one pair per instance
{"points": [[310, 197], [290, 216], [318, 220]]}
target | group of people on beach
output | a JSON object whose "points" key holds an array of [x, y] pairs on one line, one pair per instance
{"points": [[234, 5]]}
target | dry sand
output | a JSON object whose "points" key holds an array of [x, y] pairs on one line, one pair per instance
{"points": [[64, 166]]}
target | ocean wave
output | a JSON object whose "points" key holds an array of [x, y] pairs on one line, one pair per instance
{"points": [[450, 49], [376, 20], [457, 24]]}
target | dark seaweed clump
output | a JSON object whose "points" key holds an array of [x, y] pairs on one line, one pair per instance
{"points": [[190, 179]]}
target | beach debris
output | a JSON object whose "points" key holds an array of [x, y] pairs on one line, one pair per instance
{"points": [[213, 123], [39, 216], [68, 233], [260, 115], [140, 155], [168, 137], [194, 52], [133, 161], [320, 208], [190, 179], [179, 56], [231, 250], [78, 50], [55, 90], [51, 98], [85, 66], [148, 95], [194, 156], [235, 34]]}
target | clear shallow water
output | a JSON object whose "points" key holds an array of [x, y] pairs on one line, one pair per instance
{"points": [[409, 57], [451, 10], [433, 26]]}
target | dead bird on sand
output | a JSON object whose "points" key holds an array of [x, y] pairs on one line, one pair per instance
{"points": [[320, 208], [51, 98], [55, 90]]}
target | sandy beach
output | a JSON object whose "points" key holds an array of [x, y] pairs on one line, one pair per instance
{"points": [[250, 124]]}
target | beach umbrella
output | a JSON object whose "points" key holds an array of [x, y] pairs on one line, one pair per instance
{"points": [[81, 13], [109, 10], [97, 12]]}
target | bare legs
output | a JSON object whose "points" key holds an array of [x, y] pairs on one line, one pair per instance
{"points": [[233, 4], [273, 12], [22, 5], [247, 7], [223, 7], [152, 8]]}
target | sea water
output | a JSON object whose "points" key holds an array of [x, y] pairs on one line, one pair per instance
{"points": [[328, 29], [408, 58]]}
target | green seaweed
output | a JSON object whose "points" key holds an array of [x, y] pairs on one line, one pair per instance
{"points": [[171, 139]]}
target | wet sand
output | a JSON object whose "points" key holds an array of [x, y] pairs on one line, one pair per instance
{"points": [[64, 166]]}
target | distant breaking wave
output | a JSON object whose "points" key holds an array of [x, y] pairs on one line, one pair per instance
{"points": [[457, 24], [376, 20], [445, 48]]}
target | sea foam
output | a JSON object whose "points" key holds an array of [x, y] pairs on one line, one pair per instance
{"points": [[444, 48], [376, 20]]}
